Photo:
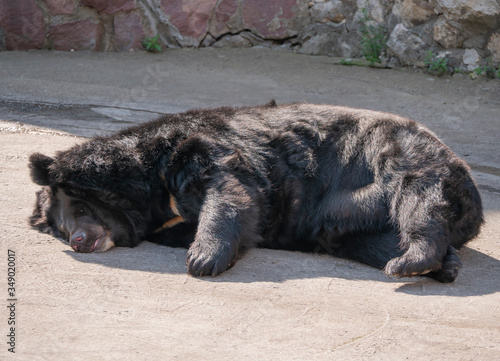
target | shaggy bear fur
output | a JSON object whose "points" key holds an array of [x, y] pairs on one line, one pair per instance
{"points": [[369, 186]]}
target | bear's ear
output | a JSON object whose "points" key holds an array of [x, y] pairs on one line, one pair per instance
{"points": [[39, 219], [189, 164], [39, 165]]}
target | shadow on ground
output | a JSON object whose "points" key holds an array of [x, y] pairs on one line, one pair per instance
{"points": [[478, 276]]}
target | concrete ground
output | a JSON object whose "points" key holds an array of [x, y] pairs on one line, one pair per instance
{"points": [[139, 304]]}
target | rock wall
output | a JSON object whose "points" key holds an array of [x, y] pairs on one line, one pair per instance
{"points": [[465, 31]]}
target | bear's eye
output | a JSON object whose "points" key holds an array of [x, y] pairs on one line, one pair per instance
{"points": [[80, 210]]}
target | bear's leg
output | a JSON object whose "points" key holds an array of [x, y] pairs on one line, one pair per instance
{"points": [[375, 249], [450, 267], [228, 223], [420, 214]]}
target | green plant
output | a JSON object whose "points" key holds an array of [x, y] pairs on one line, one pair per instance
{"points": [[373, 38], [152, 44], [480, 70], [346, 62], [435, 65], [490, 70]]}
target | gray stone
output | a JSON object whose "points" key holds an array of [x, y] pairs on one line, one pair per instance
{"points": [[232, 41], [448, 34], [476, 11], [471, 59], [413, 12], [425, 32], [377, 9], [324, 39], [208, 41], [494, 46], [475, 40], [318, 44], [454, 57], [328, 11], [406, 46], [256, 40], [393, 63]]}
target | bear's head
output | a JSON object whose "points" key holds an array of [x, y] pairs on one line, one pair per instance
{"points": [[90, 218]]}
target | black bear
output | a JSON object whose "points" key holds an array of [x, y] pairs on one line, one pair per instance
{"points": [[369, 186]]}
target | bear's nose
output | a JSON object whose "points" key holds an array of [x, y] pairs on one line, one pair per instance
{"points": [[77, 237]]}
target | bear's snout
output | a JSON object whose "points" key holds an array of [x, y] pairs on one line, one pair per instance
{"points": [[78, 242], [78, 237]]}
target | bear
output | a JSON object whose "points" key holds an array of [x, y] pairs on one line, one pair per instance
{"points": [[369, 186]]}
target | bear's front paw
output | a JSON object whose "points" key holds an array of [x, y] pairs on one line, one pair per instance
{"points": [[209, 258]]}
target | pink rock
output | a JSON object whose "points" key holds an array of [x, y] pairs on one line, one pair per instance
{"points": [[276, 19], [190, 17], [23, 22], [226, 18], [273, 19], [129, 32], [110, 7], [60, 7], [77, 35]]}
